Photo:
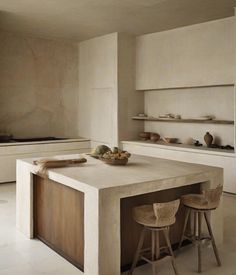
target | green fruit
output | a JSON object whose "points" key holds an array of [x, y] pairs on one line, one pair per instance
{"points": [[100, 150], [115, 150]]}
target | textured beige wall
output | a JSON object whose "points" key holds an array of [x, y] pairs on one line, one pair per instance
{"points": [[38, 86], [130, 102], [98, 89], [197, 55], [107, 96]]}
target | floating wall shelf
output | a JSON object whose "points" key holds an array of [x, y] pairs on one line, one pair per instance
{"points": [[209, 121], [185, 87]]}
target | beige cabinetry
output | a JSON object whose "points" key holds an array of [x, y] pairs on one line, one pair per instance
{"points": [[197, 55]]}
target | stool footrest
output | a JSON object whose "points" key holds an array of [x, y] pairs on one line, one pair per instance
{"points": [[194, 239], [145, 250], [159, 260], [149, 249]]}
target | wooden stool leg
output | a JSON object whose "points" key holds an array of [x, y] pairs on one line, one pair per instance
{"points": [[184, 227], [199, 242], [153, 245], [156, 250], [167, 239], [153, 269], [157, 245], [195, 225], [137, 253], [153, 252], [212, 239]]}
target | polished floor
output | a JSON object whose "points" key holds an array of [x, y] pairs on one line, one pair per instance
{"points": [[20, 256]]}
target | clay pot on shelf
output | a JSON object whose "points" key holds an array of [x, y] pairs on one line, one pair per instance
{"points": [[154, 137], [144, 135], [208, 139]]}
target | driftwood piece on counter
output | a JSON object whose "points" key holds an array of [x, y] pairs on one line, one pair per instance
{"points": [[44, 164]]}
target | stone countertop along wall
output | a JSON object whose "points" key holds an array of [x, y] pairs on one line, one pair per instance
{"points": [[38, 86]]}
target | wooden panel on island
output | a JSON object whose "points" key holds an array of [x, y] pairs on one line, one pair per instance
{"points": [[130, 230], [59, 219]]}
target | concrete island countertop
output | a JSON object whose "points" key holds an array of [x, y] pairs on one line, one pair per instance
{"points": [[142, 169], [104, 186]]}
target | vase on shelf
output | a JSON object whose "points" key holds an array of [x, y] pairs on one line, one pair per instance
{"points": [[154, 137], [208, 139]]}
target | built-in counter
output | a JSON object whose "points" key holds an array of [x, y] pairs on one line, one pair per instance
{"points": [[106, 195], [200, 155], [10, 152]]}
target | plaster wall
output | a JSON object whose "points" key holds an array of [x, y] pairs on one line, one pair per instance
{"points": [[107, 96], [197, 55], [38, 86], [129, 101], [97, 108]]}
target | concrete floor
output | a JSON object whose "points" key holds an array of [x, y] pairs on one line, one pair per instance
{"points": [[20, 256]]}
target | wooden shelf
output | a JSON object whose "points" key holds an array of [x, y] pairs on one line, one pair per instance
{"points": [[186, 87], [209, 121]]}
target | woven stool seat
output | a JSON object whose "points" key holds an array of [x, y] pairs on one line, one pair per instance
{"points": [[196, 201], [155, 218], [208, 200], [145, 215]]}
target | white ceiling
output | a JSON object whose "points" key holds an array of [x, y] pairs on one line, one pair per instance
{"points": [[83, 19]]}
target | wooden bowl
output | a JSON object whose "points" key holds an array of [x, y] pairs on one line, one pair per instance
{"points": [[154, 137], [171, 140], [144, 135], [115, 161]]}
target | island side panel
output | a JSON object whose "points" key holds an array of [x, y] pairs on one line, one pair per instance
{"points": [[91, 230], [59, 219], [24, 199], [109, 233]]}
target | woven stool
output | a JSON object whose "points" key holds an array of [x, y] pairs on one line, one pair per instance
{"points": [[155, 218], [200, 205]]}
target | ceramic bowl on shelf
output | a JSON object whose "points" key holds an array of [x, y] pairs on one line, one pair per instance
{"points": [[144, 135], [142, 115], [170, 140], [154, 137]]}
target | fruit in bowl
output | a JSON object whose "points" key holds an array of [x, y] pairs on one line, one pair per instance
{"points": [[99, 151], [116, 157]]}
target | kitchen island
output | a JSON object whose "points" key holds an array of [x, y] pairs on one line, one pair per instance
{"points": [[104, 196]]}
